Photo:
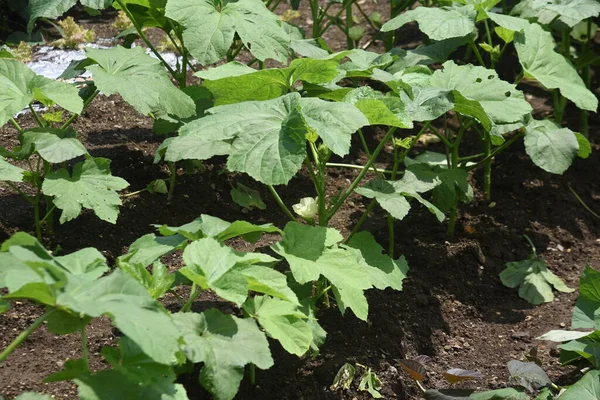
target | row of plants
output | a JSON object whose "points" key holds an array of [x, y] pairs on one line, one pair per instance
{"points": [[274, 124]]}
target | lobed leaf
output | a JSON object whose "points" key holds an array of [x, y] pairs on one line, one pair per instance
{"points": [[89, 186]]}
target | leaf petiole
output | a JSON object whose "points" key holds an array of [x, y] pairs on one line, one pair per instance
{"points": [[24, 335]]}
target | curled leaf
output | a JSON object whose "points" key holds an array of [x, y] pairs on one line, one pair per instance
{"points": [[414, 368], [343, 379], [454, 375]]}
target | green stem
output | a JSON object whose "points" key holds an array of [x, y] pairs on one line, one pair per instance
{"points": [[30, 200], [341, 165], [84, 348], [252, 369], [36, 216], [172, 179], [36, 116], [490, 42], [582, 202], [443, 138], [194, 293], [280, 203], [49, 202], [487, 168], [349, 23], [362, 173], [587, 79], [498, 150], [49, 213], [361, 220], [16, 124], [390, 219], [24, 335], [533, 249], [140, 32], [477, 53], [85, 104]]}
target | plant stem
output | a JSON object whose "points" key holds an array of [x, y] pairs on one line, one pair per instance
{"points": [[49, 213], [24, 335], [319, 183], [390, 219], [16, 124], [193, 294], [172, 179], [341, 165], [487, 167], [36, 116], [582, 202], [140, 32], [49, 203], [29, 199], [533, 249], [361, 220], [279, 202], [362, 173], [477, 53], [498, 150], [252, 370], [349, 23], [85, 104], [84, 348], [587, 80]]}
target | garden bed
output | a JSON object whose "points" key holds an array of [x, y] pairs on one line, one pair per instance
{"points": [[453, 307]]}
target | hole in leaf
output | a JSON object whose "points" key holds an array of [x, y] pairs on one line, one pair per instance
{"points": [[491, 77], [507, 94], [478, 80]]}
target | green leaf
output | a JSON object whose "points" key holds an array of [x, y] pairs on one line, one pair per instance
{"points": [[534, 279], [247, 197], [225, 344], [454, 184], [271, 145], [433, 53], [549, 146], [585, 313], [4, 306], [427, 103], [252, 85], [371, 383], [344, 377], [157, 283], [19, 86], [437, 23], [53, 145], [62, 322], [131, 309], [282, 321], [90, 186], [500, 394], [391, 195], [333, 122], [512, 24], [587, 388], [502, 102], [312, 251], [128, 72], [115, 385], [560, 335], [9, 172], [570, 12], [269, 281], [535, 48], [149, 248], [527, 374], [585, 147], [383, 271], [587, 347], [210, 28], [210, 265], [378, 113]]}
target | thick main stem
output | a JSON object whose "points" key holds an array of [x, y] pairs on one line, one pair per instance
{"points": [[24, 335], [349, 23]]}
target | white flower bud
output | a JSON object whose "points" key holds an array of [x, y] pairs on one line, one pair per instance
{"points": [[307, 208]]}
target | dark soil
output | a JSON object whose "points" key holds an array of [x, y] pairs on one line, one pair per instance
{"points": [[453, 308]]}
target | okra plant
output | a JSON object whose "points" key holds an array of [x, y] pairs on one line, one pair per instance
{"points": [[77, 287]]}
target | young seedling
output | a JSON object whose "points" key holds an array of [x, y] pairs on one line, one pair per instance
{"points": [[534, 279]]}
